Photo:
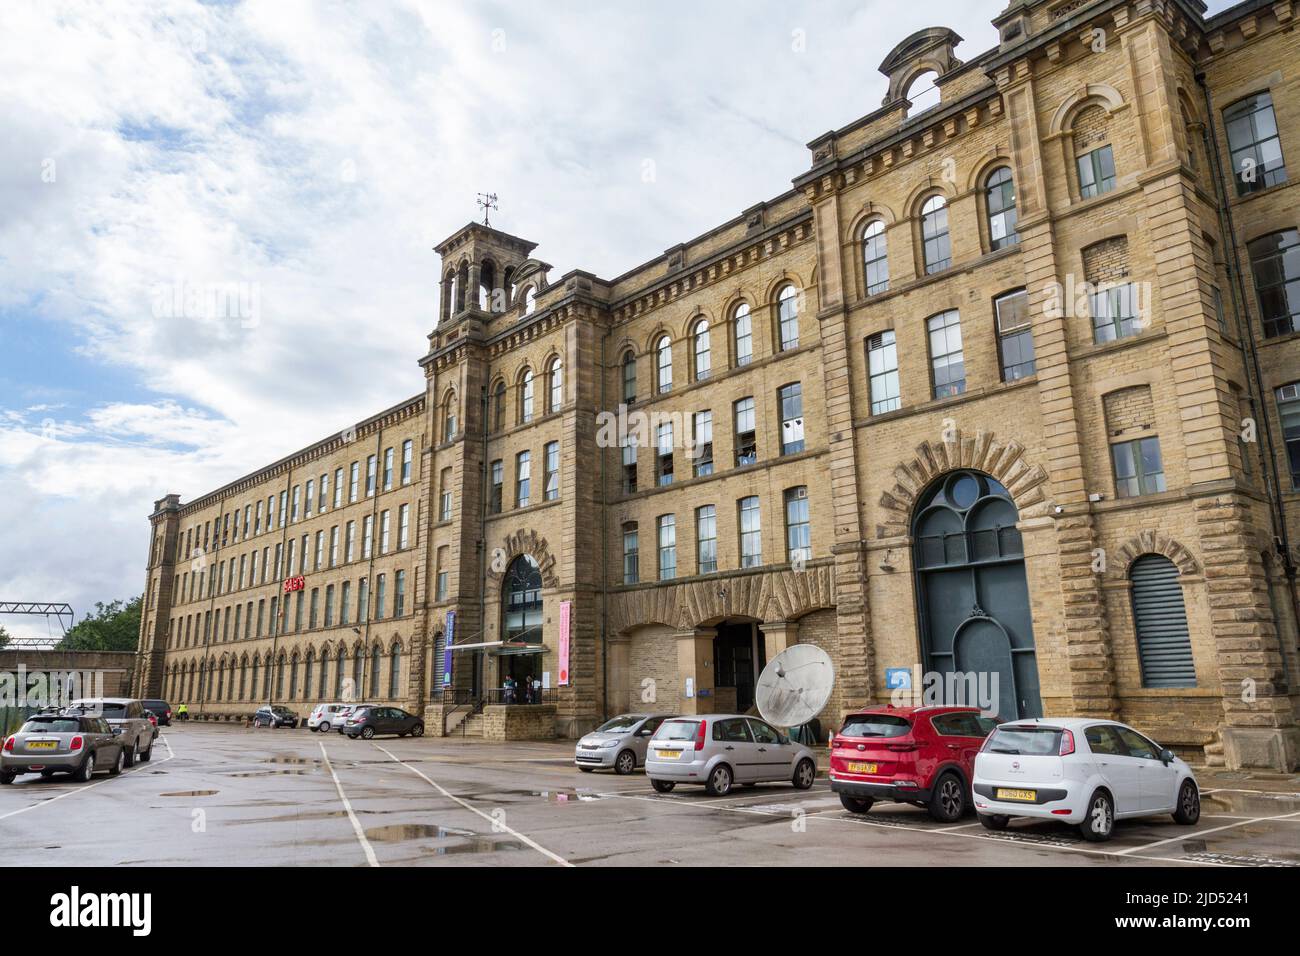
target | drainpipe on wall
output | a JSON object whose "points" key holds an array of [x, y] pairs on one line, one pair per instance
{"points": [[1256, 380], [604, 542], [481, 664]]}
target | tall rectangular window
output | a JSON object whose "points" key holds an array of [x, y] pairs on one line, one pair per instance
{"points": [[523, 472], [551, 464], [798, 530], [1288, 410], [345, 602], [1275, 264], [384, 523], [498, 480], [363, 600], [441, 586], [664, 453], [666, 528], [338, 487], [311, 496], [444, 497], [745, 443], [751, 532], [404, 527], [408, 458], [744, 335], [314, 619], [1254, 144], [284, 508], [702, 442], [1096, 172], [947, 363], [334, 546], [1114, 312], [349, 542], [372, 464], [323, 503], [399, 594], [1138, 468], [1015, 338], [388, 469], [367, 536], [631, 554], [706, 539], [882, 369], [354, 481], [791, 399], [320, 551], [629, 464], [875, 258], [329, 605], [381, 595], [297, 497]]}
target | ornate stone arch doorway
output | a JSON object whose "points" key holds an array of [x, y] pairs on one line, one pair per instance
{"points": [[972, 593]]}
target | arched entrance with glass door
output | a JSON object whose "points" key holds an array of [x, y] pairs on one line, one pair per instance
{"points": [[519, 657], [971, 591]]}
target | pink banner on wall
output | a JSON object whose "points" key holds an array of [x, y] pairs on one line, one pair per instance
{"points": [[566, 614]]}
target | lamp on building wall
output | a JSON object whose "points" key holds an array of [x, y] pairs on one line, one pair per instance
{"points": [[887, 562]]}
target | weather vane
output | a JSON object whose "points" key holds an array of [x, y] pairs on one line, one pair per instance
{"points": [[487, 202]]}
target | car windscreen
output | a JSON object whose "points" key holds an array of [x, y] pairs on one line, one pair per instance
{"points": [[875, 725], [55, 725], [106, 710], [157, 706], [677, 730], [626, 722], [1026, 741]]}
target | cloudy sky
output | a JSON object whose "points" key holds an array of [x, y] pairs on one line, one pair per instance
{"points": [[304, 157]]}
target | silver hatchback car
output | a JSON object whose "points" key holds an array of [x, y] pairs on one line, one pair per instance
{"points": [[720, 750], [619, 742]]}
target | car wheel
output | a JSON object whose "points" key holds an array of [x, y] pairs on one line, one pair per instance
{"points": [[948, 799], [804, 774], [7, 777], [130, 758], [148, 754], [1188, 810], [324, 728], [367, 733], [116, 769], [417, 730], [994, 821], [661, 786], [625, 763], [719, 782], [1100, 819], [86, 770], [855, 804]]}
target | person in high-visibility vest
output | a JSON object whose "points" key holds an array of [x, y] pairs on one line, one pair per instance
{"points": [[183, 712]]}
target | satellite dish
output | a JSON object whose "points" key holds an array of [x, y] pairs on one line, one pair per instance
{"points": [[795, 685]]}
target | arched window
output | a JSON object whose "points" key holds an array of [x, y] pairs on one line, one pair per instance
{"points": [[279, 678], [322, 688], [339, 670], [395, 671], [499, 406], [1094, 159], [521, 597], [743, 334], [1000, 203], [664, 364], [526, 396], [375, 659], [221, 680], [253, 686], [293, 677], [875, 257], [700, 348], [449, 417], [308, 669], [555, 385], [1160, 623], [935, 243], [530, 300], [358, 667], [787, 315], [629, 377]]}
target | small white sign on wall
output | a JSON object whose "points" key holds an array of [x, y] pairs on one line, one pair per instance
{"points": [[690, 687], [546, 680]]}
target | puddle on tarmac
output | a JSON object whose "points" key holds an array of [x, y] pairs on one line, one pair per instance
{"points": [[290, 760], [190, 793], [470, 842], [269, 773], [1251, 804]]}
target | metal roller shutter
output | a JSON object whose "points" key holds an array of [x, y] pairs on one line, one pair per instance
{"points": [[1164, 648]]}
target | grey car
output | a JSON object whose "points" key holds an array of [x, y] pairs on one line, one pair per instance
{"points": [[62, 743], [721, 750], [125, 714], [619, 743]]}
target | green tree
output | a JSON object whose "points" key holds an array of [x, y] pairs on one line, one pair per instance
{"points": [[4, 637], [113, 627]]}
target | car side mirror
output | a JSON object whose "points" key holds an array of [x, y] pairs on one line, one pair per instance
{"points": [[1166, 756], [117, 731]]}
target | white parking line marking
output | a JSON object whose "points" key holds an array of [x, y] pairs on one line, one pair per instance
{"points": [[1201, 833], [91, 786], [347, 805], [493, 820]]}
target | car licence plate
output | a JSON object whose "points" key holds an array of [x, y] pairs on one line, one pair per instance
{"points": [[1005, 794], [42, 744], [861, 767], [668, 754]]}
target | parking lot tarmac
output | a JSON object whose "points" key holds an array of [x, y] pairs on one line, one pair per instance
{"points": [[217, 795]]}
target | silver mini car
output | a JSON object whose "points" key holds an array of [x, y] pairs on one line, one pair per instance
{"points": [[79, 744], [619, 742], [720, 750]]}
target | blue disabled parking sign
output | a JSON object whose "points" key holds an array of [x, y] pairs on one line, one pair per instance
{"points": [[896, 677]]}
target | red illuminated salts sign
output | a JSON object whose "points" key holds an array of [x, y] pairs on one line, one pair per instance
{"points": [[295, 584]]}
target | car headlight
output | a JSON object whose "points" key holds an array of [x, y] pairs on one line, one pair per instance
{"points": [[609, 743]]}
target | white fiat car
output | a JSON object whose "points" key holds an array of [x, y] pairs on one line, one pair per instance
{"points": [[1079, 770]]}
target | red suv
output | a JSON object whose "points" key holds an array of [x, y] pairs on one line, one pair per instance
{"points": [[919, 755]]}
